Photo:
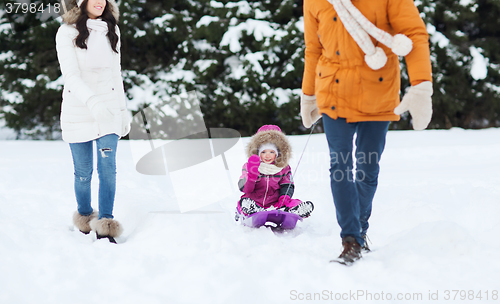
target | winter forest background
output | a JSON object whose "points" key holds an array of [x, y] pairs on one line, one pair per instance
{"points": [[243, 58]]}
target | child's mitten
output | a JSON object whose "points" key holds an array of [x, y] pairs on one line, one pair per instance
{"points": [[252, 173], [253, 167], [418, 101], [284, 200], [309, 110]]}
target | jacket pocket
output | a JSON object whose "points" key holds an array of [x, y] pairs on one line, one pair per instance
{"points": [[325, 77], [380, 89]]}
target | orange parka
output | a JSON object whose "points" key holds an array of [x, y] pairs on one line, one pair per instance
{"points": [[335, 70]]}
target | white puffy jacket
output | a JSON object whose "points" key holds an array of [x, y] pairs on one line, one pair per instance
{"points": [[82, 86]]}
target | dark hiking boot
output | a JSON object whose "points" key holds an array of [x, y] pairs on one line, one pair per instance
{"points": [[351, 252]]}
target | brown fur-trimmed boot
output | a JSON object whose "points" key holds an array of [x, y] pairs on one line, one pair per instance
{"points": [[82, 221], [106, 228]]}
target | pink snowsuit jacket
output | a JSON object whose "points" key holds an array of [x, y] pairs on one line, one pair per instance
{"points": [[268, 188]]}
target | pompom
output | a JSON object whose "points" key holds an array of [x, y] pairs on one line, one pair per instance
{"points": [[376, 60], [401, 45]]}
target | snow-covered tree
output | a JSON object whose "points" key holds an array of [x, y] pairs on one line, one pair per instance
{"points": [[245, 60], [29, 74]]}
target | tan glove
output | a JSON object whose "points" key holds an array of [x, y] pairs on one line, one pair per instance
{"points": [[309, 110], [418, 101]]}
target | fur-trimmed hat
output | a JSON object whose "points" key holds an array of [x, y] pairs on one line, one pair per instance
{"points": [[271, 134], [72, 10]]}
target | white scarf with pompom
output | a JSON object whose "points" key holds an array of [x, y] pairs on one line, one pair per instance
{"points": [[359, 27]]}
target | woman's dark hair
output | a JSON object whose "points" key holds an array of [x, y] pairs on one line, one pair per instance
{"points": [[83, 31]]}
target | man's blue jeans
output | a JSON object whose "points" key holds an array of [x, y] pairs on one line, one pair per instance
{"points": [[353, 196], [106, 168]]}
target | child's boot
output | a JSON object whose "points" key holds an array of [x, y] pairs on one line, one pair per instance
{"points": [[303, 209]]}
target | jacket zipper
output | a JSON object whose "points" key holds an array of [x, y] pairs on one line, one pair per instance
{"points": [[265, 195]]}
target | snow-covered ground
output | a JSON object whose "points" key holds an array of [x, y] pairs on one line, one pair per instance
{"points": [[434, 232]]}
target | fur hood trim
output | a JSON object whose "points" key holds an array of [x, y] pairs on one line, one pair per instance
{"points": [[275, 137], [72, 11]]}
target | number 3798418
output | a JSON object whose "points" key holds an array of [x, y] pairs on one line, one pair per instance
{"points": [[31, 8]]}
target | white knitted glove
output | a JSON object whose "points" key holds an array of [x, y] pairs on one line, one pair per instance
{"points": [[309, 110], [126, 120], [99, 110], [418, 101]]}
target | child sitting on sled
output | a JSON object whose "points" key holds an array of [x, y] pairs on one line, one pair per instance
{"points": [[267, 178]]}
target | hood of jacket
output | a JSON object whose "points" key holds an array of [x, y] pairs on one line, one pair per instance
{"points": [[275, 137], [72, 11]]}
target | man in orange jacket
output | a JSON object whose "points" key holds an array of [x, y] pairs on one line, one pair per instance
{"points": [[352, 80]]}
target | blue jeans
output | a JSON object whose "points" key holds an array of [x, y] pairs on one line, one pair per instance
{"points": [[353, 196], [106, 168]]}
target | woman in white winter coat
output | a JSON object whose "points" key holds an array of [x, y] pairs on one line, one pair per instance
{"points": [[93, 107]]}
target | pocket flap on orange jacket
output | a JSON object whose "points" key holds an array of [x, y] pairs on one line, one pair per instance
{"points": [[326, 70]]}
